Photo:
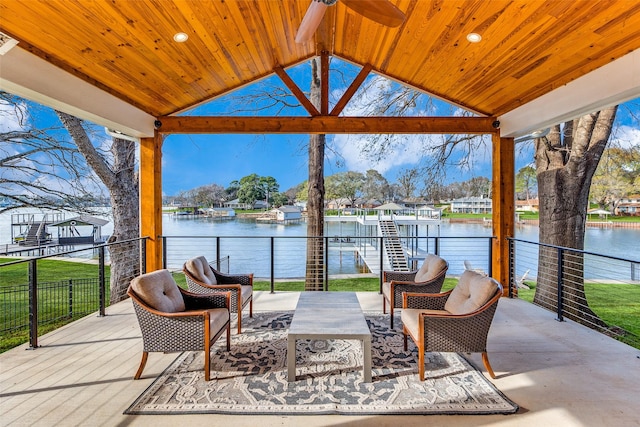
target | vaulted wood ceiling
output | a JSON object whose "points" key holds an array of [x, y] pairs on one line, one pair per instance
{"points": [[126, 47]]}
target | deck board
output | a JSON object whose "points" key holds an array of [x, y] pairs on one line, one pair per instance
{"points": [[560, 372]]}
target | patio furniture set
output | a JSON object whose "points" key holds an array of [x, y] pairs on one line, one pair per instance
{"points": [[173, 319]]}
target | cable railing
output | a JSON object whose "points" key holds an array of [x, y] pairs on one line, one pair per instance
{"points": [[599, 291], [39, 294], [278, 259]]}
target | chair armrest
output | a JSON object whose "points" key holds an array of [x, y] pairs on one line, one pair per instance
{"points": [[242, 279], [425, 301], [215, 299], [400, 276], [464, 332]]}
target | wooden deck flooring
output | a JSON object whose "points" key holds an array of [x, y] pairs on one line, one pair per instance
{"points": [[559, 373]]}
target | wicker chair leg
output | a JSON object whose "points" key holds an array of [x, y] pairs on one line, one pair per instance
{"points": [[239, 317], [384, 304], [251, 306], [143, 362], [229, 335], [485, 360]]}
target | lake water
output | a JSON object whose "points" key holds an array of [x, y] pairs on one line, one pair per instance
{"points": [[255, 254]]}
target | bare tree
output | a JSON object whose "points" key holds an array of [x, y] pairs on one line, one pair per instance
{"points": [[118, 173], [39, 167], [315, 201], [566, 160], [407, 179]]}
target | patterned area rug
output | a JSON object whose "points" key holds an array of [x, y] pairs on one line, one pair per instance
{"points": [[252, 378]]}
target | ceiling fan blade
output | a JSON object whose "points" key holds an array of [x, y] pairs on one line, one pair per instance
{"points": [[311, 21], [382, 11]]}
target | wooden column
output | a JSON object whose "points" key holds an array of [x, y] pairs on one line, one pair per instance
{"points": [[151, 198], [503, 196]]}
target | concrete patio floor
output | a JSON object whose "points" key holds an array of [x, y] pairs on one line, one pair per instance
{"points": [[559, 373]]}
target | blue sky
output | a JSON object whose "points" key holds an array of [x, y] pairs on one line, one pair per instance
{"points": [[193, 160], [190, 161]]}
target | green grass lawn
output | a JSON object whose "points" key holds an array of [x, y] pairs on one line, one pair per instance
{"points": [[364, 284], [58, 303], [536, 216], [48, 271], [616, 304]]}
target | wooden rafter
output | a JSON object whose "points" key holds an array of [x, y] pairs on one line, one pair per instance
{"points": [[351, 90], [296, 91]]}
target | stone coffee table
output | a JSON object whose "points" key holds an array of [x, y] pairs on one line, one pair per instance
{"points": [[328, 315]]}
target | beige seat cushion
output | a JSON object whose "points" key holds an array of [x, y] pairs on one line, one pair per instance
{"points": [[411, 316], [386, 290], [472, 292], [247, 292], [159, 291], [431, 267], [201, 270], [218, 319]]}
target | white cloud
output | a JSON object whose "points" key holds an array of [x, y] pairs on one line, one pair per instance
{"points": [[9, 118], [626, 137], [402, 150], [353, 148]]}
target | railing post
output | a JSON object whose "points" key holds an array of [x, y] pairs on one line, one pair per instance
{"points": [[512, 265], [164, 252], [560, 284], [70, 314], [101, 280], [325, 254], [33, 304], [437, 246], [218, 254], [381, 245], [143, 254], [490, 268], [272, 261]]}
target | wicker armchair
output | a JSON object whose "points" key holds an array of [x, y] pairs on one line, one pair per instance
{"points": [[428, 279], [204, 279], [172, 319], [454, 321]]}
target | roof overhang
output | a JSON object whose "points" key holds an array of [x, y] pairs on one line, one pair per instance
{"points": [[33, 78], [612, 84]]}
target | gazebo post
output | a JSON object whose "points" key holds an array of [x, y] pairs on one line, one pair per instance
{"points": [[151, 199], [503, 199]]}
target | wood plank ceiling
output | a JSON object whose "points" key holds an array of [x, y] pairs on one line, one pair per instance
{"points": [[126, 47]]}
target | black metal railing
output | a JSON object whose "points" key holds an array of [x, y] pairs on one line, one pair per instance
{"points": [[36, 297], [599, 291], [38, 301], [277, 258]]}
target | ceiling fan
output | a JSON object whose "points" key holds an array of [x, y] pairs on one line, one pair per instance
{"points": [[382, 11]]}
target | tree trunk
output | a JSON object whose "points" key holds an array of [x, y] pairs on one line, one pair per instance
{"points": [[315, 202], [565, 164], [122, 182]]}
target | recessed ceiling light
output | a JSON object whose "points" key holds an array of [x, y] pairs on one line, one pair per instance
{"points": [[474, 37], [180, 37]]}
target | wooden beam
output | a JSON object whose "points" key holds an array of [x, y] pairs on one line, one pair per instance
{"points": [[503, 199], [326, 125], [324, 83], [296, 91], [151, 199], [351, 90]]}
